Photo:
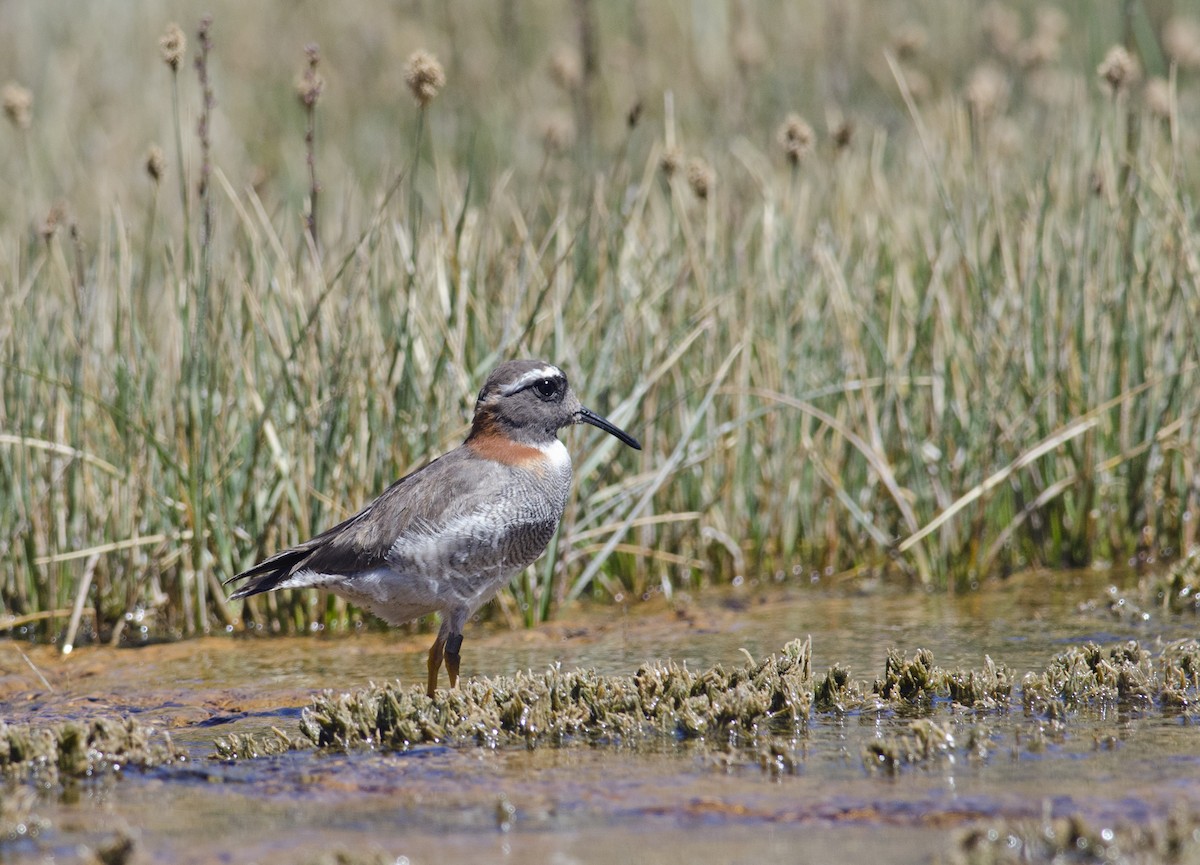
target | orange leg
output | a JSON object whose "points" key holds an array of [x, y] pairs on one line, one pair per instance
{"points": [[436, 652], [453, 645]]}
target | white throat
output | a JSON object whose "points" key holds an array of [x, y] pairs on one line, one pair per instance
{"points": [[556, 453]]}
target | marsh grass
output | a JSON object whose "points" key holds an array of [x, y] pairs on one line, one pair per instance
{"points": [[955, 339]]}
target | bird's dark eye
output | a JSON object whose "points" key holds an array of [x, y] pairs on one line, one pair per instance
{"points": [[546, 388]]}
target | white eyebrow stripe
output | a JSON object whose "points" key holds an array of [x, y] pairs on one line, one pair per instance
{"points": [[532, 376]]}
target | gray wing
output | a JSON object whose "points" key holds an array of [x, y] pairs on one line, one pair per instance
{"points": [[363, 541]]}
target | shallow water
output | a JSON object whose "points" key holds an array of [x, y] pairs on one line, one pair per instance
{"points": [[665, 803]]}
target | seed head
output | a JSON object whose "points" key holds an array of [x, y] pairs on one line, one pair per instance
{"points": [[156, 163], [1044, 47], [670, 161], [749, 48], [18, 105], [796, 138], [203, 33], [987, 91], [54, 218], [566, 69], [1052, 22], [1158, 98], [1181, 40], [1002, 26], [310, 83], [172, 46], [634, 114], [1038, 51], [424, 77], [558, 133], [700, 177], [843, 133], [909, 41], [1119, 69]]}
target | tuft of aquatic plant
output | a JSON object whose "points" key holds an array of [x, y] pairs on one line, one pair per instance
{"points": [[989, 688], [921, 741], [1126, 673], [776, 695], [243, 746], [18, 813], [918, 681], [83, 750], [779, 757], [910, 681], [1177, 591], [552, 708], [837, 692], [752, 705], [358, 857], [119, 850], [354, 858], [1175, 839]]}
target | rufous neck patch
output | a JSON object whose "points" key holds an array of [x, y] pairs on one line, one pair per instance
{"points": [[502, 449]]}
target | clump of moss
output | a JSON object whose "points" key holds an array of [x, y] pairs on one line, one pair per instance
{"points": [[989, 688], [778, 758], [775, 695], [922, 741], [1088, 675], [917, 681], [243, 746], [118, 850], [557, 706], [1127, 674], [837, 692], [18, 814], [1040, 734], [1072, 839], [911, 681], [1180, 663], [343, 857], [743, 706], [79, 750], [1179, 589], [1175, 592]]}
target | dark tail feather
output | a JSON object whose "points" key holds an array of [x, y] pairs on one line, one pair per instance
{"points": [[269, 573]]}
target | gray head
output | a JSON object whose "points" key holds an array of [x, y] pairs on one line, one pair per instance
{"points": [[529, 401]]}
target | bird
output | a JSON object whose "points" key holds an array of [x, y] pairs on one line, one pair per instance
{"points": [[449, 536]]}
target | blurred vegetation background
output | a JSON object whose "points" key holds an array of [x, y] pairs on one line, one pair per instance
{"points": [[905, 289]]}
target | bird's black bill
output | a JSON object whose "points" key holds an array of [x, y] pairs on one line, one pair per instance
{"points": [[589, 416]]}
